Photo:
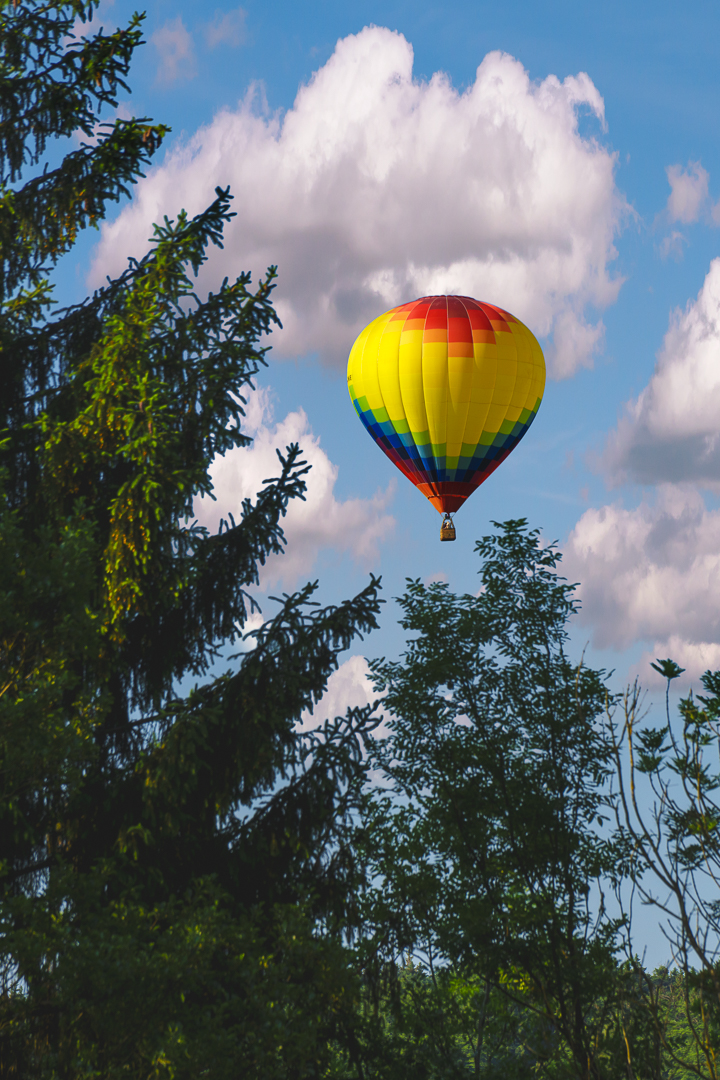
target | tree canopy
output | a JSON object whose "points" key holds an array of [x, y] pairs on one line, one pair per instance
{"points": [[488, 840], [166, 858]]}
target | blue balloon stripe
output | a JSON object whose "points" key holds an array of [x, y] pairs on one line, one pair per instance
{"points": [[433, 468]]}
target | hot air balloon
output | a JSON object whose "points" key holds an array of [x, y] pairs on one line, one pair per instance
{"points": [[447, 387]]}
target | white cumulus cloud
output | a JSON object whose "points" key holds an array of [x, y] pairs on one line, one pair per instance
{"points": [[673, 245], [176, 52], [348, 687], [226, 28], [695, 657], [688, 192], [650, 574], [354, 526], [376, 187], [671, 431]]}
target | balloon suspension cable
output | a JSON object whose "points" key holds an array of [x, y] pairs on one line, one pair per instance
{"points": [[447, 529]]}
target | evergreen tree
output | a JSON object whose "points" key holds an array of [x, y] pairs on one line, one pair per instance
{"points": [[173, 867]]}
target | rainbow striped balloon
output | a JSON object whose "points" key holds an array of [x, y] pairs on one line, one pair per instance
{"points": [[447, 387]]}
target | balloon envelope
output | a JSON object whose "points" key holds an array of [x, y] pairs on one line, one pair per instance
{"points": [[447, 387]]}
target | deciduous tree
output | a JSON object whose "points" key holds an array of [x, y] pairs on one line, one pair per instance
{"points": [[488, 837]]}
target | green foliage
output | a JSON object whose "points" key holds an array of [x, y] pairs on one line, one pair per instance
{"points": [[418, 1023], [674, 844], [175, 868], [487, 948], [489, 834], [444, 1023]]}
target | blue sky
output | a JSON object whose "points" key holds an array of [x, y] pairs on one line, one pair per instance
{"points": [[560, 159]]}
